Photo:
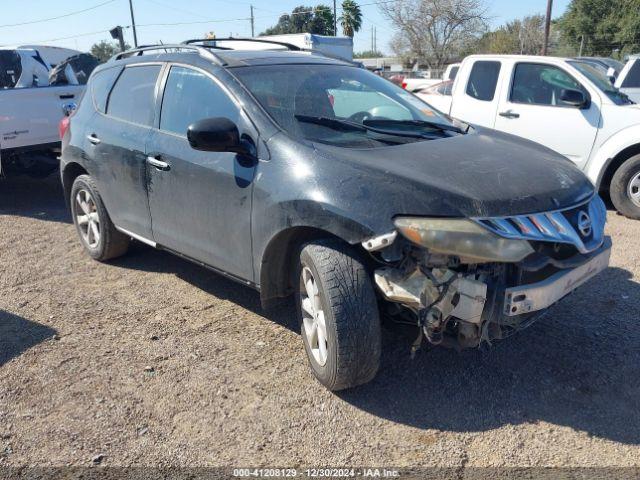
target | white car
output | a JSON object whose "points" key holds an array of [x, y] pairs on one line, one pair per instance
{"points": [[417, 84], [629, 79], [564, 104], [38, 85]]}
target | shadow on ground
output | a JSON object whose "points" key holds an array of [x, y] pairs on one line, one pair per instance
{"points": [[35, 198], [18, 334], [577, 367]]}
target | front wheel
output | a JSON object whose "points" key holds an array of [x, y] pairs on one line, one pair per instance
{"points": [[625, 188], [338, 314]]}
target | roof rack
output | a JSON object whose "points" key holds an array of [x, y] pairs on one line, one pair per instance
{"points": [[288, 46], [202, 51]]}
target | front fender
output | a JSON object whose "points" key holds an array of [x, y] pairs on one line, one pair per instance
{"points": [[615, 144]]}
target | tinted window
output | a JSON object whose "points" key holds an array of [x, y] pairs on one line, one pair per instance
{"points": [[132, 98], [10, 68], [453, 73], [190, 96], [538, 84], [101, 85], [632, 80], [483, 80]]}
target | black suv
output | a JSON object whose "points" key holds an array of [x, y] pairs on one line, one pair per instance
{"points": [[299, 174]]}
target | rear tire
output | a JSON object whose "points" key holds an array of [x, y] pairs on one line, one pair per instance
{"points": [[625, 188], [344, 307], [97, 233]]}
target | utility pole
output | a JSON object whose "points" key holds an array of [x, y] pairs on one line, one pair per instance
{"points": [[133, 25], [581, 44], [253, 33], [547, 27], [335, 20], [375, 39], [372, 38]]}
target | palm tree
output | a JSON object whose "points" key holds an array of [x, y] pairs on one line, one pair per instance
{"points": [[351, 19]]}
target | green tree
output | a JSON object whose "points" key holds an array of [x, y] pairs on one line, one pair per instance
{"points": [[602, 26], [351, 19], [104, 50], [317, 20], [368, 54]]}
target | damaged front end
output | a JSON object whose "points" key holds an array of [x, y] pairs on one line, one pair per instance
{"points": [[465, 281]]}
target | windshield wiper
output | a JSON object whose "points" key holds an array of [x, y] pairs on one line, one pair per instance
{"points": [[347, 125], [334, 123], [414, 123]]}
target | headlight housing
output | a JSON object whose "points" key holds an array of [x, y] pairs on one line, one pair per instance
{"points": [[462, 237]]}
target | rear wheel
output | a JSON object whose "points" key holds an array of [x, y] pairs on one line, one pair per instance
{"points": [[97, 233], [625, 188], [338, 314]]}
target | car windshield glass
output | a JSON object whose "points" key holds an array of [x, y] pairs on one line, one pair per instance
{"points": [[601, 81], [327, 103]]}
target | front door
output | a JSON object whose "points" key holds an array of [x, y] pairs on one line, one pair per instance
{"points": [[200, 202], [532, 108]]}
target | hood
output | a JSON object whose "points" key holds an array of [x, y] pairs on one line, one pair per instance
{"points": [[481, 174]]}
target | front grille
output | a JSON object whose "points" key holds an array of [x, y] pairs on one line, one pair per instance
{"points": [[582, 226]]}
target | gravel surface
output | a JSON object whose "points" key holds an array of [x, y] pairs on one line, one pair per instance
{"points": [[151, 360]]}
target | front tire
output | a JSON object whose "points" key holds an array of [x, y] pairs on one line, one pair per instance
{"points": [[97, 233], [338, 314], [625, 188]]}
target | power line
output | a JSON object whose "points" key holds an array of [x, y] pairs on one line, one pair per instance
{"points": [[59, 16]]}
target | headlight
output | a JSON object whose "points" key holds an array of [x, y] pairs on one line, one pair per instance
{"points": [[461, 237]]}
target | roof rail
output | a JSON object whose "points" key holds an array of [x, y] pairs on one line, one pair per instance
{"points": [[203, 52], [289, 46]]}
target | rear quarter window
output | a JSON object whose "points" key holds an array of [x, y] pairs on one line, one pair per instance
{"points": [[101, 84], [133, 96], [483, 80]]}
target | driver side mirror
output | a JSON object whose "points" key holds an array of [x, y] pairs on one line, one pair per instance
{"points": [[216, 134], [574, 98]]}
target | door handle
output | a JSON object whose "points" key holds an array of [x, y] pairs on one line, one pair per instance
{"points": [[67, 96], [159, 164], [93, 139], [509, 114]]}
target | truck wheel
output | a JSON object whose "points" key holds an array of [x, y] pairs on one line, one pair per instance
{"points": [[97, 233], [625, 188], [339, 318]]}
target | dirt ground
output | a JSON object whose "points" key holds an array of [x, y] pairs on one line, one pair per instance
{"points": [[151, 360]]}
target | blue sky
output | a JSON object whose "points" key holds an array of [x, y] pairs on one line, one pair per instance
{"points": [[195, 17]]}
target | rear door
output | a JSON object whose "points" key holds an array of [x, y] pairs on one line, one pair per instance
{"points": [[116, 147], [475, 101], [200, 201], [531, 108]]}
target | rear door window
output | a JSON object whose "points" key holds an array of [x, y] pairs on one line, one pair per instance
{"points": [[483, 80], [101, 84], [189, 96], [133, 96]]}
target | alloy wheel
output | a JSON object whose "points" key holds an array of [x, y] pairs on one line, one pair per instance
{"points": [[313, 319], [87, 218], [633, 190]]}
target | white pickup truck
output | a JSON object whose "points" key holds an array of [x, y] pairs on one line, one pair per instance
{"points": [[38, 85], [564, 104], [417, 84]]}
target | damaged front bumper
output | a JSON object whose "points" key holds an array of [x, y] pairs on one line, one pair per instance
{"points": [[463, 285], [540, 295]]}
